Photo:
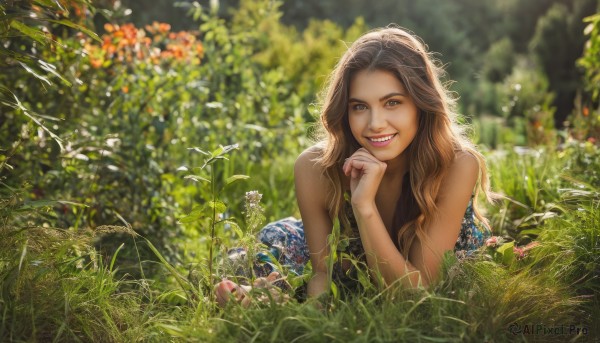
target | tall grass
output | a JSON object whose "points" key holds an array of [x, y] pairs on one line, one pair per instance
{"points": [[56, 287]]}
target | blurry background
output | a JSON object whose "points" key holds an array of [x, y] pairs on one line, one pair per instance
{"points": [[488, 46]]}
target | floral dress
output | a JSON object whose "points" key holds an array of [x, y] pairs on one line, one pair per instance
{"points": [[285, 242]]}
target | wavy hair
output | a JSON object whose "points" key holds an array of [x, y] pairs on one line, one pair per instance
{"points": [[435, 146]]}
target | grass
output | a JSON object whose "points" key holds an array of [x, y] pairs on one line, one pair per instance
{"points": [[56, 287]]}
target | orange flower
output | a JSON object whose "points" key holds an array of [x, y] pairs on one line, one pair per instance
{"points": [[586, 111], [125, 89], [164, 27], [109, 27], [200, 49], [96, 62]]}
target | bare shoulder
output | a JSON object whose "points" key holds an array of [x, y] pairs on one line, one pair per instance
{"points": [[461, 177], [306, 165], [308, 157], [465, 166], [310, 180]]}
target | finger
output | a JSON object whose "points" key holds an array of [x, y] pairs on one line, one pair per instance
{"points": [[361, 163], [365, 153], [273, 276]]}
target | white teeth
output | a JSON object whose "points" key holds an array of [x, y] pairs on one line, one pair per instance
{"points": [[382, 139]]}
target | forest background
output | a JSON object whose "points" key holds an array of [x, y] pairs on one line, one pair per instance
{"points": [[131, 133]]}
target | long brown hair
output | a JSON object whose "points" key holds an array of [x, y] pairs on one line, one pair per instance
{"points": [[433, 149]]}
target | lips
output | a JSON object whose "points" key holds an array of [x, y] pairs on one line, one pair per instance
{"points": [[380, 139]]}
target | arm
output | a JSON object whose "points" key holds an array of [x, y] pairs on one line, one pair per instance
{"points": [[311, 194], [452, 201], [442, 231]]}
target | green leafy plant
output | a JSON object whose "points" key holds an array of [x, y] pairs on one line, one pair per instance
{"points": [[214, 208]]}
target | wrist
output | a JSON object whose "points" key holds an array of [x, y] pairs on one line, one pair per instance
{"points": [[364, 209]]}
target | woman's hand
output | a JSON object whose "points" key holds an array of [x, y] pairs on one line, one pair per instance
{"points": [[262, 289], [365, 173]]}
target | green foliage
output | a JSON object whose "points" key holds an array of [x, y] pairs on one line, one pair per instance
{"points": [[590, 60], [557, 43], [54, 280], [214, 208], [525, 103], [584, 122], [499, 60], [531, 179]]}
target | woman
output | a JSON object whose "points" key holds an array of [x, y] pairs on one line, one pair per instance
{"points": [[393, 167]]}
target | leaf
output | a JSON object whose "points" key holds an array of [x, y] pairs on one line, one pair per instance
{"points": [[44, 203], [506, 250], [196, 178], [189, 218], [222, 150], [216, 152], [81, 28], [52, 69], [195, 214], [32, 72], [229, 148], [114, 258], [196, 149], [234, 178], [506, 246], [334, 290], [236, 228], [183, 283], [218, 206], [534, 232], [47, 3], [30, 32], [23, 254]]}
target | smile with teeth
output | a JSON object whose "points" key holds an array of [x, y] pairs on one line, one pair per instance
{"points": [[382, 139]]}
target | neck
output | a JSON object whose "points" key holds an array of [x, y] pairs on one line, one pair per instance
{"points": [[396, 169]]}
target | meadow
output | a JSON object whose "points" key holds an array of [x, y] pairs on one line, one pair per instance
{"points": [[128, 158]]}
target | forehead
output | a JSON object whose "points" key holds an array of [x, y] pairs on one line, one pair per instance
{"points": [[367, 84]]}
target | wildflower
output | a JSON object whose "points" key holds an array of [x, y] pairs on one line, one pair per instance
{"points": [[252, 200], [163, 27], [96, 63], [109, 27], [586, 111], [492, 241], [531, 246], [519, 252], [254, 212]]}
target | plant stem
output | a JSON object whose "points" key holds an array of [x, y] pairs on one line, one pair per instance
{"points": [[212, 231]]}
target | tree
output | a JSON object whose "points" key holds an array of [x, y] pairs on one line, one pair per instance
{"points": [[558, 42]]}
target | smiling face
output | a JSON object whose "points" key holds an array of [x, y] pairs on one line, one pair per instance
{"points": [[382, 115]]}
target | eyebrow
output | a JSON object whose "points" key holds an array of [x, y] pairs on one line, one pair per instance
{"points": [[385, 97]]}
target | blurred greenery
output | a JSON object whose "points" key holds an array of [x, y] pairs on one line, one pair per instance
{"points": [[108, 225]]}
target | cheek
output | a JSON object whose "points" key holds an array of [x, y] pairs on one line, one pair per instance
{"points": [[355, 126]]}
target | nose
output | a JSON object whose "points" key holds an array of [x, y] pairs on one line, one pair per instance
{"points": [[377, 120]]}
